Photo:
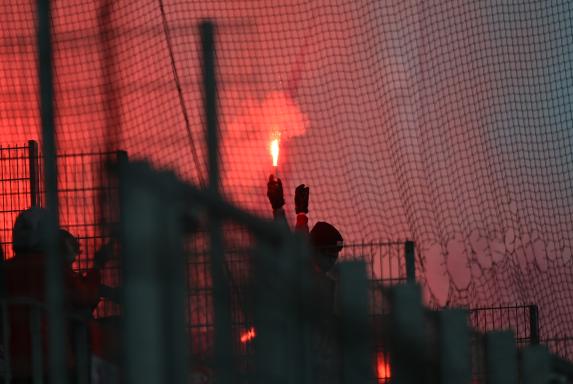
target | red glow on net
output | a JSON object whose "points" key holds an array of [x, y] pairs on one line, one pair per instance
{"points": [[248, 335]]}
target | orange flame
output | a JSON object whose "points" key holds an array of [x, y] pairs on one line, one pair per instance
{"points": [[275, 151], [383, 367], [248, 335]]}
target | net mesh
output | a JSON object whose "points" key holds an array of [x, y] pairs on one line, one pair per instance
{"points": [[444, 122]]}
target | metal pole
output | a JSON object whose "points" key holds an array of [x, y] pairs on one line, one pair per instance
{"points": [[534, 324], [223, 344], [210, 95], [501, 358], [408, 339], [54, 286], [535, 365], [6, 334], [33, 172], [410, 262], [454, 347], [356, 342]]}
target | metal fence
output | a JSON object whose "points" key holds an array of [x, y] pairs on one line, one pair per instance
{"points": [[23, 320], [85, 193], [522, 320], [386, 265], [88, 199], [19, 187]]}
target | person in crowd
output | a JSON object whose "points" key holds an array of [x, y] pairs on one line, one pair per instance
{"points": [[82, 289], [326, 240], [326, 244], [25, 279]]}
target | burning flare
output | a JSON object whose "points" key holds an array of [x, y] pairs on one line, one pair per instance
{"points": [[248, 335], [383, 367], [275, 152]]}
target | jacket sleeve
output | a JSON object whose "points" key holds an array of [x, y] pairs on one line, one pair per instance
{"points": [[279, 214], [301, 223], [84, 290]]}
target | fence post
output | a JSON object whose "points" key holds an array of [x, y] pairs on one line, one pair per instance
{"points": [[302, 355], [139, 224], [173, 268], [224, 371], [534, 324], [36, 345], [54, 277], [410, 261], [6, 341], [535, 365], [82, 352], [33, 173], [271, 313], [454, 347], [501, 358], [407, 335], [152, 270], [357, 350]]}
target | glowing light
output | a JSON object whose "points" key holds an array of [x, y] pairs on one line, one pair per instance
{"points": [[275, 151], [248, 335], [383, 367]]}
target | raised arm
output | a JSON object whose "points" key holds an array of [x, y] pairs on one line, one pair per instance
{"points": [[276, 197], [301, 207]]}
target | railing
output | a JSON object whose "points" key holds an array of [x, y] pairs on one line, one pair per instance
{"points": [[88, 201], [32, 365], [523, 320], [19, 187]]}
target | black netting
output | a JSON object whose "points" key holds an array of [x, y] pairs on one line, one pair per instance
{"points": [[448, 123]]}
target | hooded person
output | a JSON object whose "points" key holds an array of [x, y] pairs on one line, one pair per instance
{"points": [[25, 278], [326, 243], [326, 240]]}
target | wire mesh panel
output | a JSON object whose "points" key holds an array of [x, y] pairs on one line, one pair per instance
{"points": [[89, 210], [385, 262], [18, 187], [88, 201], [518, 319]]}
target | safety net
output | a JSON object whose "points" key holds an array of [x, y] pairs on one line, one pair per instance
{"points": [[444, 122]]}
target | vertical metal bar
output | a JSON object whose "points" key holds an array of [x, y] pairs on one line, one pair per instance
{"points": [[408, 340], [207, 30], [54, 270], [111, 88], [357, 356], [173, 276], [271, 338], [300, 336], [535, 365], [454, 347], [6, 343], [501, 358], [37, 369], [534, 324], [82, 353], [33, 172], [141, 298], [224, 372], [410, 262]]}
